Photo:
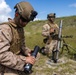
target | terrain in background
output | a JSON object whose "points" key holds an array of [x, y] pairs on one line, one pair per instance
{"points": [[67, 66]]}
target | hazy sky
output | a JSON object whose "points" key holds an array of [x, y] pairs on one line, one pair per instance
{"points": [[43, 7]]}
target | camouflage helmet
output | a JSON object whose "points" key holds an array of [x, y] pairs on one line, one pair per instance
{"points": [[51, 15], [26, 10]]}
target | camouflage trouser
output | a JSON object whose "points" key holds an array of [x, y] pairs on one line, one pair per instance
{"points": [[49, 47], [8, 71], [8, 74], [12, 74]]}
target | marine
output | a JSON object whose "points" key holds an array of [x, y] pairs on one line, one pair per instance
{"points": [[50, 34], [14, 53]]}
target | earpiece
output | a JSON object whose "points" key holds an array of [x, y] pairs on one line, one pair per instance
{"points": [[16, 14]]}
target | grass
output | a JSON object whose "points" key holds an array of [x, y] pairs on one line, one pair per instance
{"points": [[33, 37], [33, 32]]}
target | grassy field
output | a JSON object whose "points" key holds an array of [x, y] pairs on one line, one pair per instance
{"points": [[33, 31], [33, 37]]}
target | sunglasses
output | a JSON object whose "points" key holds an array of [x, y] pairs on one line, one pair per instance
{"points": [[23, 20]]}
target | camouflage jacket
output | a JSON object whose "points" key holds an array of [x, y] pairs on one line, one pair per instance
{"points": [[46, 30], [11, 42]]}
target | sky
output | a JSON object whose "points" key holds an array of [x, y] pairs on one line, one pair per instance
{"points": [[62, 8]]}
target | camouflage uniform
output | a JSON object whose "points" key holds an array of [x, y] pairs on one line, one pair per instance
{"points": [[12, 44], [51, 41]]}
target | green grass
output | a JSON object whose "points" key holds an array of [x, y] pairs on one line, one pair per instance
{"points": [[33, 31], [33, 37]]}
